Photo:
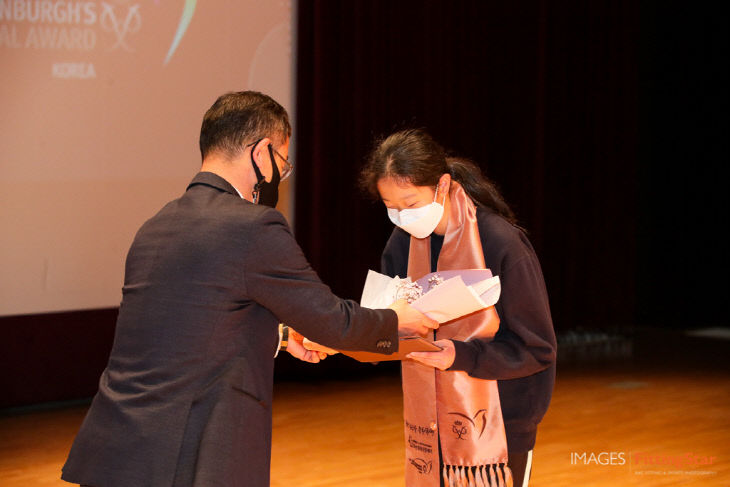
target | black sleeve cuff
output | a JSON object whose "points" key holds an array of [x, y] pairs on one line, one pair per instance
{"points": [[465, 356]]}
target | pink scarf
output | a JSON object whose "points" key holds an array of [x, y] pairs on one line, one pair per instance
{"points": [[450, 408]]}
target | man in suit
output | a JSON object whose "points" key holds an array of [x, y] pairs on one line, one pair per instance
{"points": [[185, 399]]}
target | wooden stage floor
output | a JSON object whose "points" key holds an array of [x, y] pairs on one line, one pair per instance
{"points": [[659, 418]]}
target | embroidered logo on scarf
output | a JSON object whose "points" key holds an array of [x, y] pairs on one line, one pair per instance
{"points": [[421, 465], [480, 416]]}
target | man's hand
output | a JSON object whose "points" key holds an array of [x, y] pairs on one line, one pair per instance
{"points": [[310, 345], [296, 348], [442, 360], [412, 322]]}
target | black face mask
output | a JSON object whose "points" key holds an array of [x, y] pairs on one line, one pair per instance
{"points": [[266, 193]]}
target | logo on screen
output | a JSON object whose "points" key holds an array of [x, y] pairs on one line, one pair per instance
{"points": [[121, 26], [81, 26], [187, 16]]}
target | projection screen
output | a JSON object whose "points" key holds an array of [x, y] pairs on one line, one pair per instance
{"points": [[101, 109]]}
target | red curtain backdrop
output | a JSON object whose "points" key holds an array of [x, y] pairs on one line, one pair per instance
{"points": [[604, 123], [543, 98]]}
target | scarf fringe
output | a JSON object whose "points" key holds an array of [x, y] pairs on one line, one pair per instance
{"points": [[498, 475]]}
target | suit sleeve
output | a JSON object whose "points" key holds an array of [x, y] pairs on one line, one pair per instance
{"points": [[278, 277], [525, 343]]}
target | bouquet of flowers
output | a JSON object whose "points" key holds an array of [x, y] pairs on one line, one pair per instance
{"points": [[442, 296]]}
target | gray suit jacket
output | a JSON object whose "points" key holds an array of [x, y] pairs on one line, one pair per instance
{"points": [[186, 396]]}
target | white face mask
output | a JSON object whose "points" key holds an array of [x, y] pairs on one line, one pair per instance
{"points": [[419, 222]]}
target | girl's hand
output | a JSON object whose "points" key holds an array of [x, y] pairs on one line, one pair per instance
{"points": [[442, 360]]}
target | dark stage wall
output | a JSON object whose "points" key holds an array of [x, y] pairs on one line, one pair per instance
{"points": [[682, 165], [605, 124]]}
